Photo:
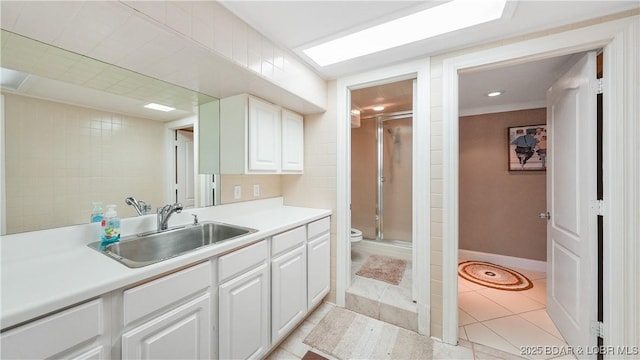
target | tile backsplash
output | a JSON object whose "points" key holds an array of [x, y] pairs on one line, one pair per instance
{"points": [[270, 186], [60, 158]]}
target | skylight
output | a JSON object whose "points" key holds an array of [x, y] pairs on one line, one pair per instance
{"points": [[441, 19]]}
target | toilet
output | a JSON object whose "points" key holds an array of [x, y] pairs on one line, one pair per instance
{"points": [[356, 235]]}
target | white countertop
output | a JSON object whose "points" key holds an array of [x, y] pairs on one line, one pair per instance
{"points": [[43, 271]]}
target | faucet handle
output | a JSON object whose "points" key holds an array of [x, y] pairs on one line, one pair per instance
{"points": [[195, 219]]}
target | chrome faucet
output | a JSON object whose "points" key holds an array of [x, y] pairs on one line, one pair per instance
{"points": [[141, 207], [165, 212]]}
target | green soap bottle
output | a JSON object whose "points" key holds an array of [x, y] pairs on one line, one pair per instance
{"points": [[110, 227]]}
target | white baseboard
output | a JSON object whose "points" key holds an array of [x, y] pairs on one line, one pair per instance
{"points": [[507, 261], [373, 247]]}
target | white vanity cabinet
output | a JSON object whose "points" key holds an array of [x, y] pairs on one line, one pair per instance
{"points": [[259, 137], [170, 317], [288, 281], [318, 261], [244, 303], [74, 333]]}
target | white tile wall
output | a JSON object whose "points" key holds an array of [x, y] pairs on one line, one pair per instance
{"points": [[209, 49], [60, 158], [317, 187]]}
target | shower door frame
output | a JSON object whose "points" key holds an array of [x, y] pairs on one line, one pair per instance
{"points": [[380, 120]]}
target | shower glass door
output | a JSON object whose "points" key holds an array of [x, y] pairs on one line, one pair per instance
{"points": [[396, 183], [381, 177]]}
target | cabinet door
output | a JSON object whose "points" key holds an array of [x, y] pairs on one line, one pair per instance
{"points": [[288, 291], [318, 257], [182, 333], [244, 315], [264, 136], [292, 142], [61, 335]]}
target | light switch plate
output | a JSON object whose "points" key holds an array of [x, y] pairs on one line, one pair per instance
{"points": [[256, 190], [237, 192]]}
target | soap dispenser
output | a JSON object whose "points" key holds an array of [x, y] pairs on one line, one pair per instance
{"points": [[97, 214], [110, 227]]}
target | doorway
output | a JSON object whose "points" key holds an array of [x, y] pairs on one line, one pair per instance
{"points": [[185, 168], [418, 69], [553, 45], [503, 205]]}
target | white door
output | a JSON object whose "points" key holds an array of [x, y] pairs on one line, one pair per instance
{"points": [[571, 193], [264, 136], [244, 315], [185, 173]]}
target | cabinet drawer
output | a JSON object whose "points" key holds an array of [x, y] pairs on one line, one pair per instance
{"points": [[240, 261], [152, 296], [318, 228], [288, 240], [49, 336]]}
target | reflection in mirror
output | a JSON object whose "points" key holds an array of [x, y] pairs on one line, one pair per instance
{"points": [[76, 132]]}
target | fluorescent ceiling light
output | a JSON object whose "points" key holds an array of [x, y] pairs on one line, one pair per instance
{"points": [[159, 107], [378, 108], [12, 79], [496, 93], [441, 19]]}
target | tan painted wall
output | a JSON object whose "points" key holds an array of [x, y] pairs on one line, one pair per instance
{"points": [[499, 208]]}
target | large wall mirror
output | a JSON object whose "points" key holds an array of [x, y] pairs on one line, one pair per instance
{"points": [[75, 131]]}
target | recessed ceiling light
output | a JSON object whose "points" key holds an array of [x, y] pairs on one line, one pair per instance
{"points": [[378, 108], [159, 107], [437, 20], [496, 93]]}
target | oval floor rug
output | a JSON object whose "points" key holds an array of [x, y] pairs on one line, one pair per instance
{"points": [[493, 276]]}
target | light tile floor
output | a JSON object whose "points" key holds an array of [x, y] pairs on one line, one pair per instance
{"points": [[507, 320], [380, 300], [494, 324], [293, 346]]}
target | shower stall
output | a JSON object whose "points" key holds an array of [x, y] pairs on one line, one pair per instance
{"points": [[381, 177]]}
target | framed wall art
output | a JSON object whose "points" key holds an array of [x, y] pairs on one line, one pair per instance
{"points": [[527, 146]]}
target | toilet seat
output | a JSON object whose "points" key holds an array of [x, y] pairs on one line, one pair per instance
{"points": [[356, 235]]}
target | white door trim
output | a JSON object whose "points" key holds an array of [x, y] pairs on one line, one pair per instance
{"points": [[419, 69], [622, 193]]}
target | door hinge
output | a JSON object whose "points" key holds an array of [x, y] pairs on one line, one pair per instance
{"points": [[597, 328], [599, 207], [599, 86]]}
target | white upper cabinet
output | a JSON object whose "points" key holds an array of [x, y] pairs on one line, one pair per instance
{"points": [[264, 136], [292, 142], [258, 137]]}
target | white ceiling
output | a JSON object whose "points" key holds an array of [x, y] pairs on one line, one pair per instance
{"points": [[294, 24]]}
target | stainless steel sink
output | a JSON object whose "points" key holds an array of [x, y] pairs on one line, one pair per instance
{"points": [[144, 249]]}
